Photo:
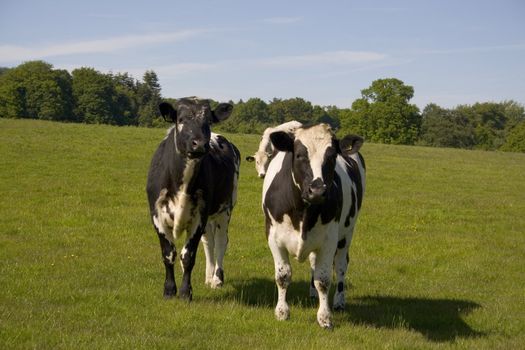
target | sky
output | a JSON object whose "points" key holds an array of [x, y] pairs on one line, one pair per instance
{"points": [[451, 51]]}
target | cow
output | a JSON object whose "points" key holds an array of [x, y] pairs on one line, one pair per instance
{"points": [[266, 151], [192, 188], [311, 198]]}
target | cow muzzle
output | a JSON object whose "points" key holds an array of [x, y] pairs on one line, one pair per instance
{"points": [[198, 148], [316, 192]]}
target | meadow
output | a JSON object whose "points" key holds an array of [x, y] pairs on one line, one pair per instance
{"points": [[437, 259]]}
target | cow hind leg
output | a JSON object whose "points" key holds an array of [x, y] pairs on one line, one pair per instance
{"points": [[221, 243], [340, 268], [208, 242], [313, 291]]}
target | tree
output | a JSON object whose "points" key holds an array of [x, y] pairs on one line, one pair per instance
{"points": [[149, 98], [383, 113], [93, 94], [248, 117], [446, 128], [290, 109], [35, 90], [515, 141], [125, 100]]}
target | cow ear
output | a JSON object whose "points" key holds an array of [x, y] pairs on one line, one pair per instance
{"points": [[282, 141], [222, 112], [250, 159], [168, 112], [351, 143]]}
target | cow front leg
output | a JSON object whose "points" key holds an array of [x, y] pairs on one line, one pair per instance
{"points": [[322, 278], [187, 260], [283, 277], [169, 254]]}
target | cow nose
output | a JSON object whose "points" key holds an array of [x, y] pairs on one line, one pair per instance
{"points": [[261, 175], [316, 189], [199, 146]]}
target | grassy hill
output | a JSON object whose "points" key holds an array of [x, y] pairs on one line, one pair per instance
{"points": [[437, 260]]}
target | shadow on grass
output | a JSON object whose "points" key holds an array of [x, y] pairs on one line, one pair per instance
{"points": [[439, 320]]}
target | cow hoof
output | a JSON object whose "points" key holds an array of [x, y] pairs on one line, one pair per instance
{"points": [[339, 307], [216, 283], [328, 326], [282, 312], [170, 291], [169, 295], [186, 294], [325, 320]]}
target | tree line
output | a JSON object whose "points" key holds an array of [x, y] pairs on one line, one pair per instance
{"points": [[382, 114]]}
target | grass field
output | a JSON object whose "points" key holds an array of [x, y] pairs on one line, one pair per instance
{"points": [[437, 261]]}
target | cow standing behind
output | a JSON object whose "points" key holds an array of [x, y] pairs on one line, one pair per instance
{"points": [[192, 185], [266, 151], [312, 195]]}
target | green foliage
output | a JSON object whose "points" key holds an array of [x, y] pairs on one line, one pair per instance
{"points": [[515, 141], [383, 114], [436, 258], [251, 116], [446, 128], [149, 98], [482, 125], [93, 94], [34, 90]]}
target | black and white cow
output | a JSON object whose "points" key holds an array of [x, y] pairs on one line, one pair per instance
{"points": [[192, 188], [266, 151], [312, 195]]}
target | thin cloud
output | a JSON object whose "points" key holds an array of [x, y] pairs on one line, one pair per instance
{"points": [[330, 57], [178, 69], [282, 20], [476, 49], [10, 53]]}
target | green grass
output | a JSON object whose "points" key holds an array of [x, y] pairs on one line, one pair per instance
{"points": [[437, 260]]}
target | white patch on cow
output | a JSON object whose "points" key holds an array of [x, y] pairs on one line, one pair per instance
{"points": [[180, 210], [265, 152], [214, 143], [171, 257], [274, 167], [158, 225], [316, 140], [181, 205]]}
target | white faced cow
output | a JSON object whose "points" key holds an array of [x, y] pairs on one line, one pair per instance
{"points": [[266, 151], [192, 185], [312, 195]]}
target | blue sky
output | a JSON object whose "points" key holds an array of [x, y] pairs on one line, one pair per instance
{"points": [[451, 52]]}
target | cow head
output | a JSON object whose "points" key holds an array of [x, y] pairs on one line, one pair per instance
{"points": [[262, 161], [192, 118], [314, 151]]}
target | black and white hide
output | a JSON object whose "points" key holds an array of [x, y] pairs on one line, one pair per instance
{"points": [[312, 195], [192, 188]]}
